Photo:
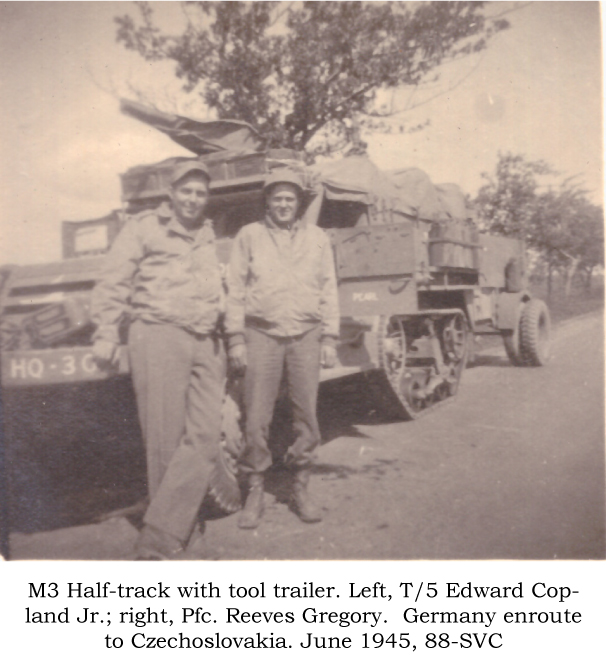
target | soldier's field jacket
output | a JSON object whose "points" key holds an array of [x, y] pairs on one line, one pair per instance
{"points": [[281, 282], [161, 273]]}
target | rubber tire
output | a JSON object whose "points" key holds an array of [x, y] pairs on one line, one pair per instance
{"points": [[511, 341], [535, 330]]}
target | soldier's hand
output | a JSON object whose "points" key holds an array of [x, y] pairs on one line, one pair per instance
{"points": [[237, 358], [329, 356], [106, 354]]}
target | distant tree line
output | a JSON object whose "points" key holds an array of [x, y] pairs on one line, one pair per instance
{"points": [[558, 222]]}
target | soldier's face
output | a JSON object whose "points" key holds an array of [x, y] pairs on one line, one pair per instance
{"points": [[283, 204], [189, 197]]}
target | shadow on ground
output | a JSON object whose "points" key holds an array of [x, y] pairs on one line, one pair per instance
{"points": [[75, 454], [493, 361]]}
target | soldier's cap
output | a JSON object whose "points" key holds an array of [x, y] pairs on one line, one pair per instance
{"points": [[185, 167], [284, 176]]}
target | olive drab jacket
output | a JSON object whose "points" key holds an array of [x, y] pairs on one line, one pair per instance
{"points": [[281, 282], [160, 272]]}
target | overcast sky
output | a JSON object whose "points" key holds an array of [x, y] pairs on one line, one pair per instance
{"points": [[536, 90]]}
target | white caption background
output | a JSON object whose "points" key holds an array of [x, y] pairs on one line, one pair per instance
{"points": [[83, 644]]}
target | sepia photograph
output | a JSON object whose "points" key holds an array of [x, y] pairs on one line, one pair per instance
{"points": [[312, 281]]}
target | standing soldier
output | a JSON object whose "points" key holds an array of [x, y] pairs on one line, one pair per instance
{"points": [[163, 270], [282, 314]]}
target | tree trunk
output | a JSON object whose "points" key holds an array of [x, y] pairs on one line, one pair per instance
{"points": [[572, 269], [588, 279]]}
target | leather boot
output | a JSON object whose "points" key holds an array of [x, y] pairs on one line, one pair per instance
{"points": [[253, 508], [302, 504], [196, 546], [154, 544]]}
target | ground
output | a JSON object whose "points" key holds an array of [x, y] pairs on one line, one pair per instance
{"points": [[513, 468]]}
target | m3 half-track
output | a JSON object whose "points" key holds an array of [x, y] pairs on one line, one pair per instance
{"points": [[417, 281]]}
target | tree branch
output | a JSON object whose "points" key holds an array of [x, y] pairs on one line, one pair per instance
{"points": [[433, 97], [280, 14], [518, 6]]}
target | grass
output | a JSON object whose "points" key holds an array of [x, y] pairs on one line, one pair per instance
{"points": [[579, 302]]}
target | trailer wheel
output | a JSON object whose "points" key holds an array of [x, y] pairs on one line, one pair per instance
{"points": [[511, 341], [224, 490], [535, 331]]}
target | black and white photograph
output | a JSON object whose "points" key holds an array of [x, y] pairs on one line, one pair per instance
{"points": [[302, 281], [306, 298]]}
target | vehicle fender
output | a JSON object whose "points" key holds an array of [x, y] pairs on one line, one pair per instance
{"points": [[508, 307]]}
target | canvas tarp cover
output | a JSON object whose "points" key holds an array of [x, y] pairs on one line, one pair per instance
{"points": [[452, 201], [355, 179], [201, 137], [409, 190], [430, 201], [358, 179], [417, 190]]}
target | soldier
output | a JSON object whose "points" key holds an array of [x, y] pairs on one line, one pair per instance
{"points": [[163, 269], [282, 313]]}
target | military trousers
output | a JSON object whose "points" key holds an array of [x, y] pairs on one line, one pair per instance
{"points": [[179, 379], [268, 359]]}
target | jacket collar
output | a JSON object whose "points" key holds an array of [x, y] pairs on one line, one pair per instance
{"points": [[167, 217], [272, 225]]}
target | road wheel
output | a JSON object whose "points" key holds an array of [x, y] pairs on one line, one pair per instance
{"points": [[224, 490], [385, 382], [405, 387], [535, 332], [456, 343]]}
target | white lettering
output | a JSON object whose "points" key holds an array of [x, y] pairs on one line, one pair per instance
{"points": [[88, 364], [365, 297], [18, 368], [69, 365], [35, 368]]}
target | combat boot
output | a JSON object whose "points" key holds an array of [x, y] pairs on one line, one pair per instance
{"points": [[302, 504], [251, 515], [195, 550], [154, 544]]}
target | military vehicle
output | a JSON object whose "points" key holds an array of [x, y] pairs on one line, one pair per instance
{"points": [[417, 281]]}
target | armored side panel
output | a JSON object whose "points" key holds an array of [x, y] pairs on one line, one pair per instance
{"points": [[375, 268], [31, 287]]}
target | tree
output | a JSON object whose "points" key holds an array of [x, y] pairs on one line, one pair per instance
{"points": [[569, 231], [507, 204], [558, 222], [294, 69]]}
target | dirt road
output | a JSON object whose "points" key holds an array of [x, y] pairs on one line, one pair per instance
{"points": [[514, 468]]}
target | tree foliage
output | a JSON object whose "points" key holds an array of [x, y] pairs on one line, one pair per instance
{"points": [[294, 69], [507, 204], [558, 221]]}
